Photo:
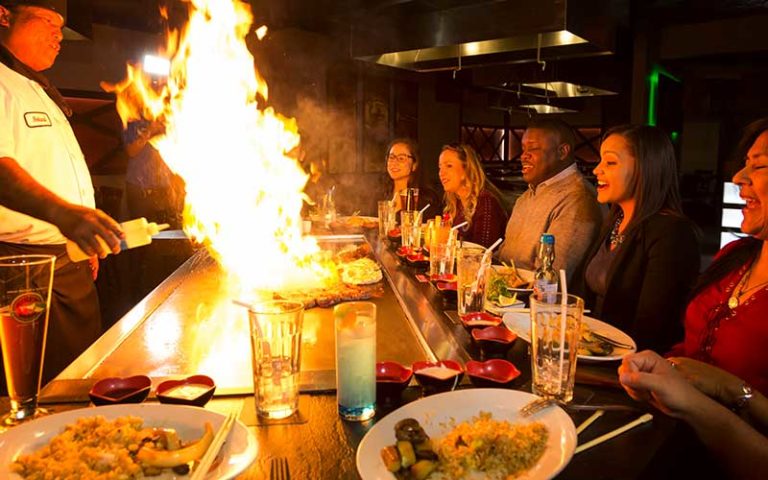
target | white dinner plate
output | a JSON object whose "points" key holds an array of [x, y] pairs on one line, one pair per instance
{"points": [[471, 245], [520, 323], [437, 412], [237, 453]]}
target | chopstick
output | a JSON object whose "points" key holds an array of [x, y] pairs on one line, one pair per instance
{"points": [[216, 444], [589, 421], [528, 310], [611, 341], [597, 441]]}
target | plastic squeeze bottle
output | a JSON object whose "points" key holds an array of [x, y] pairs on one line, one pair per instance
{"points": [[137, 234]]}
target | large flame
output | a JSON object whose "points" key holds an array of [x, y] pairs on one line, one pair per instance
{"points": [[243, 190]]}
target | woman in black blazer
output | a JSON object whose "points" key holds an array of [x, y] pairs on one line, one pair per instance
{"points": [[640, 271]]}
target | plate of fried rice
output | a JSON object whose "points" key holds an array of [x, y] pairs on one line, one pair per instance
{"points": [[478, 434], [96, 443]]}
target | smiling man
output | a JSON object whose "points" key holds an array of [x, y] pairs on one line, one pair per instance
{"points": [[45, 186], [559, 200]]}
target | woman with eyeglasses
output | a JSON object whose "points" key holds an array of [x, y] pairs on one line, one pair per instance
{"points": [[470, 197], [403, 169]]}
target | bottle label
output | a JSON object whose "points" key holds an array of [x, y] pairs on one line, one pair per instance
{"points": [[544, 287]]}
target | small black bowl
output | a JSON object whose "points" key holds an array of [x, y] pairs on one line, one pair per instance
{"points": [[440, 376], [391, 380], [494, 340], [114, 390], [479, 320], [492, 373], [196, 390]]}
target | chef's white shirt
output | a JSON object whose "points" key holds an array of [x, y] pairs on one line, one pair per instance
{"points": [[36, 133]]}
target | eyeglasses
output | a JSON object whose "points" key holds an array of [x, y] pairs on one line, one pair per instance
{"points": [[401, 158]]}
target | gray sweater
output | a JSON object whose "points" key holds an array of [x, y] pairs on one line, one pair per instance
{"points": [[565, 206]]}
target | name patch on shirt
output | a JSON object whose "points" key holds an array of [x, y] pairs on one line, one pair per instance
{"points": [[37, 119]]}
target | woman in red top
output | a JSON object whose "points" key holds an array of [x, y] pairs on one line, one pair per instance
{"points": [[470, 197], [726, 323]]}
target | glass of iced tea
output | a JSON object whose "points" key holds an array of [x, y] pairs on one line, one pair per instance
{"points": [[25, 298], [276, 346]]}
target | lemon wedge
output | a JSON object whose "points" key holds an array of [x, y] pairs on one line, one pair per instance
{"points": [[504, 301]]}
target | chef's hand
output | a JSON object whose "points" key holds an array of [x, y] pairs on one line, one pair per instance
{"points": [[649, 377], [82, 224], [712, 381]]}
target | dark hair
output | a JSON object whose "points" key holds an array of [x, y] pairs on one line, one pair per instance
{"points": [[414, 178], [557, 126], [749, 247], [654, 183]]}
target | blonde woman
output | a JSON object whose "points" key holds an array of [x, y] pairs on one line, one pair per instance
{"points": [[470, 197]]}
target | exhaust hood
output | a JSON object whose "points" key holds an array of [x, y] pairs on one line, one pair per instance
{"points": [[478, 33]]}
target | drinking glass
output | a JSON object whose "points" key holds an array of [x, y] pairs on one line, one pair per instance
{"points": [[472, 267], [409, 199], [25, 300], [410, 230], [276, 348], [355, 324], [442, 252], [555, 334], [386, 218]]}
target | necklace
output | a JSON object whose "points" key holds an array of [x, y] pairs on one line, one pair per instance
{"points": [[733, 300], [617, 238]]}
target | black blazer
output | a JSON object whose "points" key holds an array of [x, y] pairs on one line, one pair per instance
{"points": [[649, 281]]}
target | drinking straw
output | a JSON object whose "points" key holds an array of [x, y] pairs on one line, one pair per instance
{"points": [[481, 270], [421, 212], [563, 324], [459, 226]]}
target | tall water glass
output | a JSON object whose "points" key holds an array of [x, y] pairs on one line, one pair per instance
{"points": [[386, 218], [442, 253], [355, 324], [409, 199], [276, 347], [472, 266], [555, 335], [25, 300], [410, 230]]}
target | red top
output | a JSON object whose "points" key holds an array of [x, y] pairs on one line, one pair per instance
{"points": [[488, 222], [733, 339]]}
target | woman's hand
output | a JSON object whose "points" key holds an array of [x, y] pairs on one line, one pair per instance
{"points": [[712, 381], [646, 376]]}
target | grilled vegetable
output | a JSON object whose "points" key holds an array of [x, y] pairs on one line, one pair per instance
{"points": [[421, 469], [391, 457], [407, 455], [410, 430], [424, 450], [171, 458]]}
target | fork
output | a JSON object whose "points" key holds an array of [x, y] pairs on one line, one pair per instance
{"points": [[278, 469], [536, 406]]}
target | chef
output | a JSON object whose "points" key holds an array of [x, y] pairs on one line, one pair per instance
{"points": [[43, 174]]}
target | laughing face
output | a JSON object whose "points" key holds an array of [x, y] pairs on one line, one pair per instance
{"points": [[615, 171], [33, 35], [543, 157], [400, 162], [753, 185], [452, 173]]}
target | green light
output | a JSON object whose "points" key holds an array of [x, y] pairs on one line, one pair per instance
{"points": [[653, 91], [674, 136]]}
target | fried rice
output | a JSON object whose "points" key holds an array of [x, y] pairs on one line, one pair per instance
{"points": [[497, 448], [92, 448]]}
